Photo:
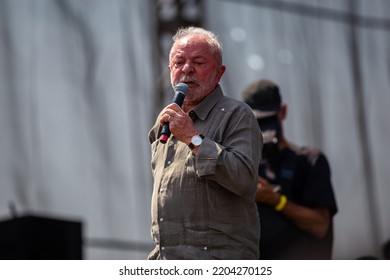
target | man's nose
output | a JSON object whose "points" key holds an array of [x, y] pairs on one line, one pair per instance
{"points": [[187, 68]]}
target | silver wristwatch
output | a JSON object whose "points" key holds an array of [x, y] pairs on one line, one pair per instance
{"points": [[196, 140]]}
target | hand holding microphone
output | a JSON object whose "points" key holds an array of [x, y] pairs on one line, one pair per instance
{"points": [[181, 90]]}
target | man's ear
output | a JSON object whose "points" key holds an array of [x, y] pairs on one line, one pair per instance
{"points": [[283, 112], [221, 71]]}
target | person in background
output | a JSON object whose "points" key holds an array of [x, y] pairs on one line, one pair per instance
{"points": [[386, 250], [295, 197], [205, 175]]}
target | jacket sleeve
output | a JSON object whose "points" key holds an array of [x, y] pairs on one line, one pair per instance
{"points": [[232, 156]]}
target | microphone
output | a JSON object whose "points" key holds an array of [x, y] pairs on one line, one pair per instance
{"points": [[181, 90]]}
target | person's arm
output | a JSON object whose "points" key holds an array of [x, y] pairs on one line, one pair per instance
{"points": [[232, 160], [312, 220]]}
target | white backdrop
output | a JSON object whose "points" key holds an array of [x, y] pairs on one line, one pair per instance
{"points": [[76, 86], [78, 81]]}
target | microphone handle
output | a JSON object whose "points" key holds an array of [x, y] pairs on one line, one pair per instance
{"points": [[165, 132]]}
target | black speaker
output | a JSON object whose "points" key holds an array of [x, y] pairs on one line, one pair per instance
{"points": [[40, 238]]}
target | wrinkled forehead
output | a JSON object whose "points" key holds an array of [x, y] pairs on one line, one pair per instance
{"points": [[191, 45]]}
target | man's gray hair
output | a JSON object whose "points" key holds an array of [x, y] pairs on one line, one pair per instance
{"points": [[212, 39]]}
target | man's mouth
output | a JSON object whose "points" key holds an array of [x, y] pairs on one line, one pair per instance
{"points": [[189, 83]]}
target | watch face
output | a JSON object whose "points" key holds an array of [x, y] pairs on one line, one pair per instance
{"points": [[196, 140]]}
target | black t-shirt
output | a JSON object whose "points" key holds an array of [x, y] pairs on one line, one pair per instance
{"points": [[304, 177]]}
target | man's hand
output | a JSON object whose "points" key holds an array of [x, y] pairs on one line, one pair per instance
{"points": [[180, 124], [266, 193]]}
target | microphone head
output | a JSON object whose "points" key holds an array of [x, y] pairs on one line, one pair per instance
{"points": [[181, 87]]}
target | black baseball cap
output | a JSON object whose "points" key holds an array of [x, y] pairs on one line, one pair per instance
{"points": [[263, 97]]}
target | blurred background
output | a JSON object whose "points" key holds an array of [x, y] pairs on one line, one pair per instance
{"points": [[82, 81]]}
